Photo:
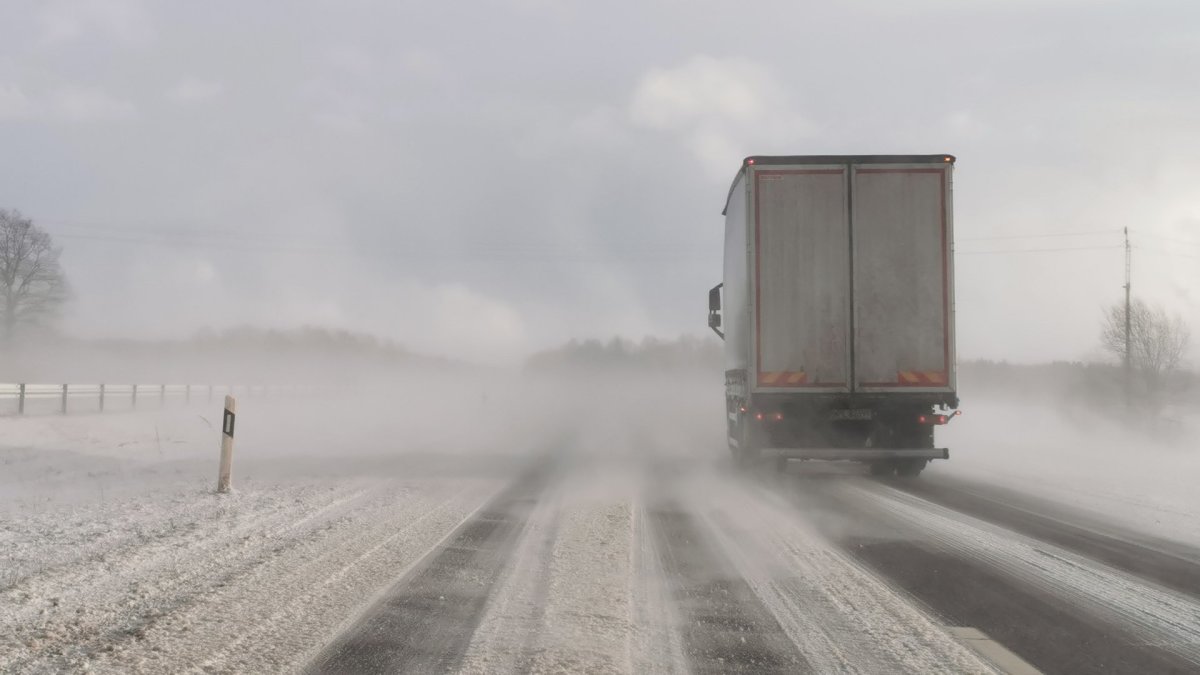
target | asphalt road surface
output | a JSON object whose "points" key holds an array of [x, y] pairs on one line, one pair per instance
{"points": [[678, 566]]}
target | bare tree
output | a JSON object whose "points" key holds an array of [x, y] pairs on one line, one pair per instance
{"points": [[1157, 342], [32, 284]]}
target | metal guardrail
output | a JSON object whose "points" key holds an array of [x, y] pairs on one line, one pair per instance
{"points": [[21, 399]]}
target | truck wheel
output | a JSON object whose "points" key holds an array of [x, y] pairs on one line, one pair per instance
{"points": [[911, 468]]}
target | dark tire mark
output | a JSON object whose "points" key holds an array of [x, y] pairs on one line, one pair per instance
{"points": [[726, 628], [1165, 563], [1054, 638], [426, 622], [963, 591]]}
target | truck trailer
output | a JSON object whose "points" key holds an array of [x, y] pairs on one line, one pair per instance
{"points": [[837, 309]]}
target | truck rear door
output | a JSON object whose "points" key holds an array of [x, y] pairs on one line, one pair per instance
{"points": [[903, 332], [801, 265]]}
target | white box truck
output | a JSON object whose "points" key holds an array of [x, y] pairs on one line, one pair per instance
{"points": [[837, 309]]}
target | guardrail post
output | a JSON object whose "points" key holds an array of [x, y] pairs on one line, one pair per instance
{"points": [[20, 399], [187, 394], [64, 400], [210, 390], [135, 397], [224, 474], [162, 395], [102, 398]]}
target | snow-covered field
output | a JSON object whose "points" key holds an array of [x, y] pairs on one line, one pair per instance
{"points": [[117, 555], [1134, 477]]}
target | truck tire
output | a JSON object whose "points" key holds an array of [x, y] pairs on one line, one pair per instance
{"points": [[911, 468]]}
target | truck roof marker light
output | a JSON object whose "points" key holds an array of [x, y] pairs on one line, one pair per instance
{"points": [[742, 409], [778, 416], [758, 416], [751, 161]]}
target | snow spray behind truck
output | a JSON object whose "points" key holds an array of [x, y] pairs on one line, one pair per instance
{"points": [[837, 309]]}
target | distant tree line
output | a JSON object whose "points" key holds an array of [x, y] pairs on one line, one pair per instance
{"points": [[243, 355], [649, 355]]}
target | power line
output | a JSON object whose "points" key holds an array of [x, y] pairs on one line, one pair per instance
{"points": [[1166, 252], [1173, 240], [1041, 235], [423, 250], [1112, 247]]}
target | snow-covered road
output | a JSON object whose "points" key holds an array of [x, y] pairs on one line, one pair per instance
{"points": [[595, 551]]}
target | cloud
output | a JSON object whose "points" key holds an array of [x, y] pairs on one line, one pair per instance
{"points": [[705, 88], [194, 91], [721, 109], [75, 103], [124, 21], [14, 104]]}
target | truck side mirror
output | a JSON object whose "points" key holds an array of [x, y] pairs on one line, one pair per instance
{"points": [[714, 310]]}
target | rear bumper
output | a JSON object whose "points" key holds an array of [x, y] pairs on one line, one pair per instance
{"points": [[859, 454]]}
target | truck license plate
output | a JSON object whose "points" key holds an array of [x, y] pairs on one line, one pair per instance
{"points": [[851, 414]]}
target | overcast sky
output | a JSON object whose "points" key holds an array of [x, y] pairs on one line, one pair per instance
{"points": [[483, 179]]}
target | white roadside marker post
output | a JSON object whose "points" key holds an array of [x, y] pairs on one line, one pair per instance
{"points": [[224, 476]]}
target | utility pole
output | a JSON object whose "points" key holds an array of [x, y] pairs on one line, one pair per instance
{"points": [[1128, 323]]}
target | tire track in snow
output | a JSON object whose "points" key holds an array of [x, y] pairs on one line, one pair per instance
{"points": [[726, 628], [1154, 616], [426, 621], [1165, 563], [324, 580], [586, 624], [504, 641], [656, 645], [843, 618]]}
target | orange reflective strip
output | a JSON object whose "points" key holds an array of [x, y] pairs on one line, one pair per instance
{"points": [[769, 378], [797, 378], [909, 377], [936, 377]]}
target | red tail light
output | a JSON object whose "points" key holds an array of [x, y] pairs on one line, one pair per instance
{"points": [[941, 419], [778, 416], [758, 416], [921, 419]]}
